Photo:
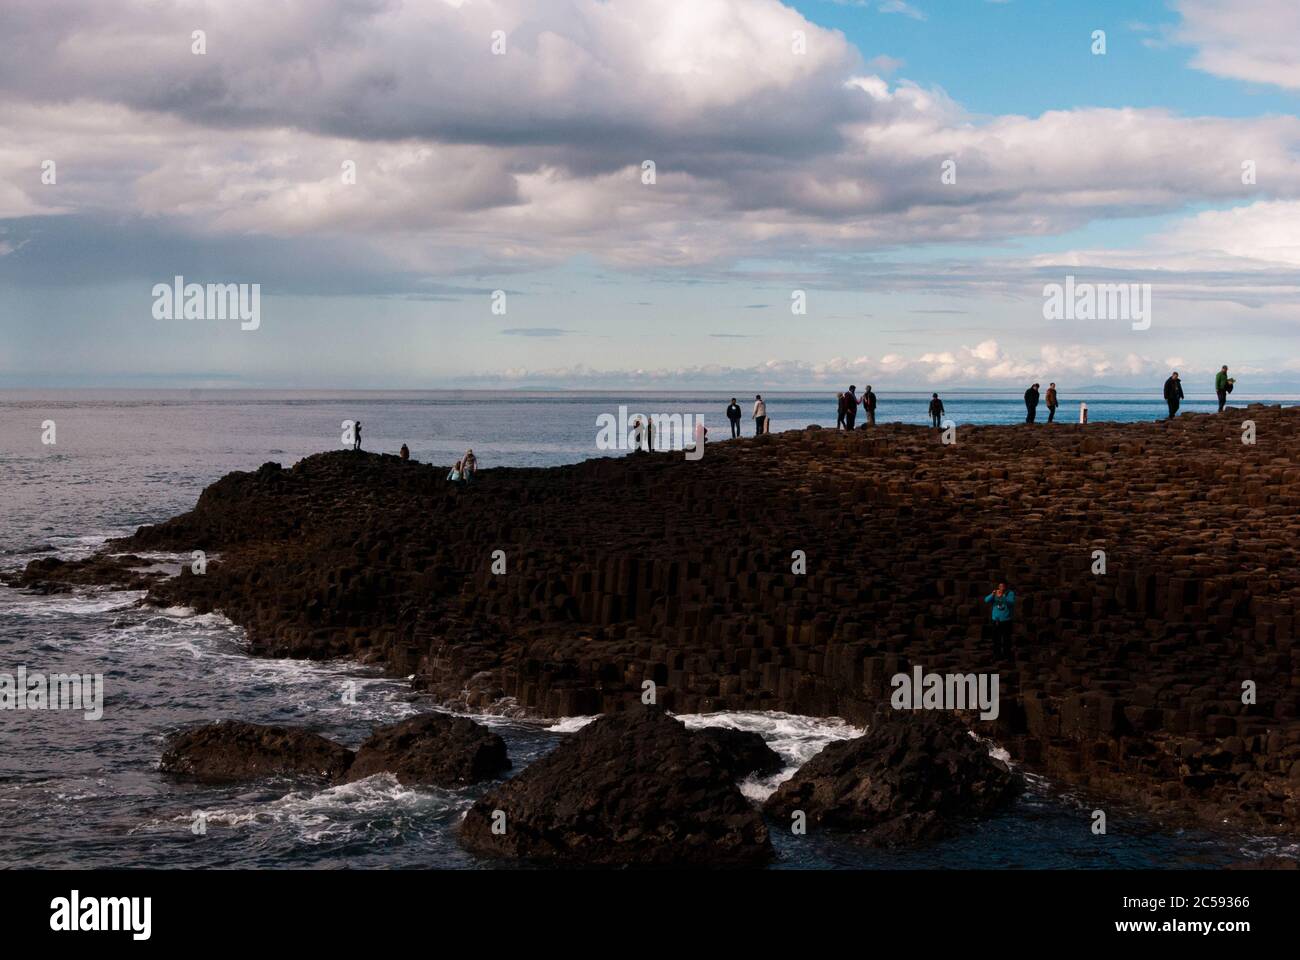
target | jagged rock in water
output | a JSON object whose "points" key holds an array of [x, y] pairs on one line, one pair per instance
{"points": [[436, 749], [742, 752], [633, 788], [911, 777], [233, 750]]}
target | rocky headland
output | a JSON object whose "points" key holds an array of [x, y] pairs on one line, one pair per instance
{"points": [[1167, 681]]}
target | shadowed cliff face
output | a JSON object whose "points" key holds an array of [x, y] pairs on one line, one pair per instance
{"points": [[655, 568]]}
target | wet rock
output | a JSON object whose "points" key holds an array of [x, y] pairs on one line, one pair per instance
{"points": [[1271, 862], [634, 788], [55, 575], [233, 750], [911, 777], [435, 749], [742, 752]]}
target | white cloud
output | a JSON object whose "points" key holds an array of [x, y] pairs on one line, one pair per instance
{"points": [[1254, 41], [535, 157], [984, 365], [899, 6]]}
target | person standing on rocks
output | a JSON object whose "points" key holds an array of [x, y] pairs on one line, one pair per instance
{"points": [[760, 415], [1052, 403], [1223, 386], [839, 411], [469, 465], [1004, 605], [851, 407], [733, 415], [1173, 394], [405, 452], [936, 410], [869, 407], [1031, 404], [454, 474], [356, 437]]}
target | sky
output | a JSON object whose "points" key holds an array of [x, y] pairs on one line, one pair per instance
{"points": [[738, 194]]}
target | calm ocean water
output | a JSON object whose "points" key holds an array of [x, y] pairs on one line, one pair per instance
{"points": [[84, 793]]}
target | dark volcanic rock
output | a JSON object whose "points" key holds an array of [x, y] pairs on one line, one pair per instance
{"points": [[234, 750], [434, 748], [909, 778], [651, 568], [742, 752], [634, 788], [53, 575], [1267, 863]]}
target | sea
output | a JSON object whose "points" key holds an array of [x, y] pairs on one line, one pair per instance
{"points": [[82, 793]]}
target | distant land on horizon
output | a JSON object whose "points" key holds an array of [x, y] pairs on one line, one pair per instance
{"points": [[1191, 385]]}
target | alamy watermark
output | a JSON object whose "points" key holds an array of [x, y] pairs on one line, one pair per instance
{"points": [[54, 691], [650, 432], [75, 913], [1098, 301], [946, 691], [209, 301]]}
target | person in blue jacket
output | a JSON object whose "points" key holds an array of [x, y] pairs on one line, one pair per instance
{"points": [[1004, 606]]}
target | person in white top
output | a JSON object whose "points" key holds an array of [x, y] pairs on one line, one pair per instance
{"points": [[760, 415]]}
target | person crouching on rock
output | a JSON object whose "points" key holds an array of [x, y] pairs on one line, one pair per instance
{"points": [[936, 410], [454, 475], [1004, 605]]}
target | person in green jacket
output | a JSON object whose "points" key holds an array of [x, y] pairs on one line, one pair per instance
{"points": [[1223, 386]]}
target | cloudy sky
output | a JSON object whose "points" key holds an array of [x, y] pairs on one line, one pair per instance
{"points": [[918, 170]]}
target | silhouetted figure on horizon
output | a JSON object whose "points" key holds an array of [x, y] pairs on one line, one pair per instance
{"points": [[936, 410], [405, 452], [851, 407], [1052, 403], [1004, 605], [733, 415], [356, 437], [1173, 394], [760, 415], [1031, 404], [869, 407]]}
